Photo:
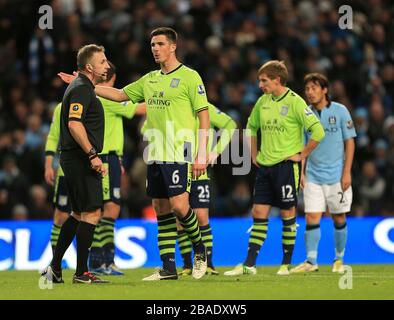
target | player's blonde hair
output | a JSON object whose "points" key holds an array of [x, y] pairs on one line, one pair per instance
{"points": [[273, 69]]}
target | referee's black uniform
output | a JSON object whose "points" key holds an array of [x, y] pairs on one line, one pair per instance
{"points": [[84, 184]]}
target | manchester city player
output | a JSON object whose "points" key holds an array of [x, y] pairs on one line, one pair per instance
{"points": [[327, 179]]}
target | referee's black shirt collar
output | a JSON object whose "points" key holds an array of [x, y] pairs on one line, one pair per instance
{"points": [[85, 79]]}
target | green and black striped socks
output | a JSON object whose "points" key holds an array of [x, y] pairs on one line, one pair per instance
{"points": [[102, 250], [107, 226], [256, 240], [55, 232], [190, 225], [185, 247], [167, 235], [289, 232]]}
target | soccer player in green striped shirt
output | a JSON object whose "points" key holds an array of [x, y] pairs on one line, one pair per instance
{"points": [[282, 116], [175, 98], [200, 192], [101, 258]]}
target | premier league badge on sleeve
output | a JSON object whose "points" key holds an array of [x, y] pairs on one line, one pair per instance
{"points": [[201, 89]]}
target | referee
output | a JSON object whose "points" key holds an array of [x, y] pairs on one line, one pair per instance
{"points": [[81, 139]]}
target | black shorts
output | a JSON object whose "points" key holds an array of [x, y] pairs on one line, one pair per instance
{"points": [[83, 183], [168, 179], [278, 185], [111, 182], [61, 199], [200, 194]]}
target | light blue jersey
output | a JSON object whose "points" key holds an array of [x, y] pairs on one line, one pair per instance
{"points": [[325, 163]]}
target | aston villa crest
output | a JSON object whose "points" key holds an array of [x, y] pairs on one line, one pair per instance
{"points": [[174, 83], [284, 111]]}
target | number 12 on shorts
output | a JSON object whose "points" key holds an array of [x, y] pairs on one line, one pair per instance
{"points": [[287, 192]]}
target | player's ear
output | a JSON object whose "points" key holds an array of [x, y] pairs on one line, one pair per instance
{"points": [[89, 67]]}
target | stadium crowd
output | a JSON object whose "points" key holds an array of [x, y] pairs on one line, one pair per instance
{"points": [[226, 41]]}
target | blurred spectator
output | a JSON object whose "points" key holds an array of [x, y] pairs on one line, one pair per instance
{"points": [[371, 188], [20, 213], [35, 133], [38, 204], [238, 203]]}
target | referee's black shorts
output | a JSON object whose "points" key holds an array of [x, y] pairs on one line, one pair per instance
{"points": [[83, 183]]}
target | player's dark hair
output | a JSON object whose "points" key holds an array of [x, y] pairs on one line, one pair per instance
{"points": [[111, 71], [319, 79], [85, 54], [273, 69], [168, 32]]}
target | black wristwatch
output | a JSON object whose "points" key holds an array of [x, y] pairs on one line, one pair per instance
{"points": [[92, 153]]}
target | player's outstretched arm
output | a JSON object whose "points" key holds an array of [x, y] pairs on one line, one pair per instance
{"points": [[102, 91], [66, 77], [111, 93], [141, 109]]}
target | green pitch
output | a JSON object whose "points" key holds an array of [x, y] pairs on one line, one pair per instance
{"points": [[368, 282]]}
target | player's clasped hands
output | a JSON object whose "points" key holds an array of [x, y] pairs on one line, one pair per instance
{"points": [[97, 165]]}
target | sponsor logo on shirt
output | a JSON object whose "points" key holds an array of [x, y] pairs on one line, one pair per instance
{"points": [[201, 89], [349, 124], [158, 101], [284, 111], [332, 120], [175, 83]]}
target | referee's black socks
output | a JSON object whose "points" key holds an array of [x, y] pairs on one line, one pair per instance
{"points": [[67, 234], [85, 233]]}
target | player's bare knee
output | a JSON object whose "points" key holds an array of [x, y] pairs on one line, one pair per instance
{"points": [[202, 216], [76, 215], [111, 210], [92, 217], [260, 212], [180, 209], [339, 219], [60, 217], [313, 218]]}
